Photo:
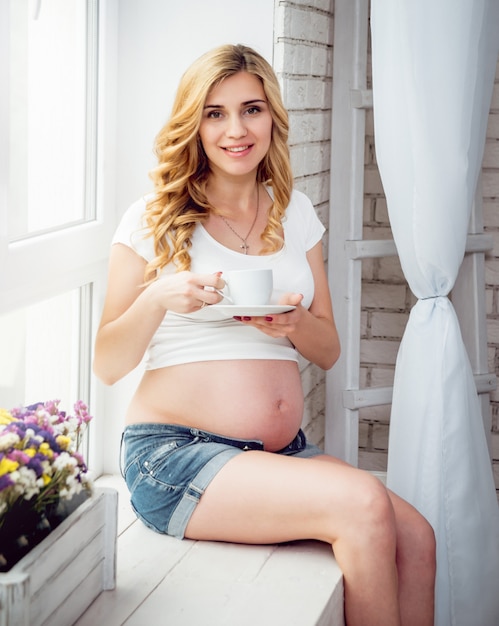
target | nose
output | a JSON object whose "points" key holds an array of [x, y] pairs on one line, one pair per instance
{"points": [[235, 127]]}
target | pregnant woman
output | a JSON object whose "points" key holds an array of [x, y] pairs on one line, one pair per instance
{"points": [[212, 445]]}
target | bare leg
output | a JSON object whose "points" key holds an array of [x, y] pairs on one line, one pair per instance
{"points": [[416, 562], [267, 498]]}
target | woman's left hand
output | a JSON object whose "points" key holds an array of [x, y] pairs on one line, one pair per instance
{"points": [[312, 331], [278, 324]]}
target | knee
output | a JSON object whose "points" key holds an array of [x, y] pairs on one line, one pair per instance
{"points": [[376, 504], [373, 519]]}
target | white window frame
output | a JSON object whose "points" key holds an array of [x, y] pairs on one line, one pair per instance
{"points": [[45, 265]]}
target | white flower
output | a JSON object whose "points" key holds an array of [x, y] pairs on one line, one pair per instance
{"points": [[8, 440], [61, 473], [64, 461], [29, 483]]}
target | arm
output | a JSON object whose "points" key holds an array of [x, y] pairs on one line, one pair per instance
{"points": [[132, 312], [313, 331]]}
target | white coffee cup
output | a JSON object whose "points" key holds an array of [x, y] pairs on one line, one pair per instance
{"points": [[250, 287]]}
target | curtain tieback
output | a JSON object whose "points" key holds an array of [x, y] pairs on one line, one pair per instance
{"points": [[433, 297]]}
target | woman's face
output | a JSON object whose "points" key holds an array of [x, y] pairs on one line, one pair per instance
{"points": [[236, 127]]}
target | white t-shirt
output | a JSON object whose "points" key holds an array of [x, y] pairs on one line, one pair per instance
{"points": [[203, 335]]}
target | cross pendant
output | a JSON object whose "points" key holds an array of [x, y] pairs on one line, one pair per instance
{"points": [[244, 247]]}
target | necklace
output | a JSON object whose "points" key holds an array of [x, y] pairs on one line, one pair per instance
{"points": [[244, 246]]}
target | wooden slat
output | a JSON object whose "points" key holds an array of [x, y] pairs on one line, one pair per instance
{"points": [[378, 396], [370, 249], [144, 559], [369, 396], [345, 218], [377, 248], [479, 242], [67, 565], [361, 98]]}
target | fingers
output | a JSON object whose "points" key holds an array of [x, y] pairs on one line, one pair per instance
{"points": [[211, 280], [209, 295], [273, 327], [278, 325], [212, 285], [293, 299], [186, 292]]}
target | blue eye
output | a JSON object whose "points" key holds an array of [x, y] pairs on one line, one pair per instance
{"points": [[253, 110], [215, 115]]}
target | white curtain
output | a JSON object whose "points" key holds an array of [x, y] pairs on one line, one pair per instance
{"points": [[433, 73]]}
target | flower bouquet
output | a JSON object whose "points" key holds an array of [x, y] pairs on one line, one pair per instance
{"points": [[41, 471]]}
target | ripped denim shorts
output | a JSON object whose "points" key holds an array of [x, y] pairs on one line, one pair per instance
{"points": [[167, 468]]}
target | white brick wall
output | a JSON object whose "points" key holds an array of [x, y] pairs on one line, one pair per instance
{"points": [[303, 61]]}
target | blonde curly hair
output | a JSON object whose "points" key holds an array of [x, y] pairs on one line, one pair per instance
{"points": [[179, 201]]}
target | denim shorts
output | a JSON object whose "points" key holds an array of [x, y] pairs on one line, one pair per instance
{"points": [[168, 467]]}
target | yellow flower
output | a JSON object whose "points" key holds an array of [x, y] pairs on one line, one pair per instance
{"points": [[6, 417], [64, 441], [30, 452], [7, 466], [46, 479], [46, 450]]}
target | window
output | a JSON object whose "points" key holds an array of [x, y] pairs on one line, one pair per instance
{"points": [[52, 106], [56, 212], [45, 353]]}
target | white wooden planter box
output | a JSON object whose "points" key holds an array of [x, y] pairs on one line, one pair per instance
{"points": [[57, 580]]}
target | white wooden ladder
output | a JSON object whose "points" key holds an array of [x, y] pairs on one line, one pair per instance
{"points": [[347, 249]]}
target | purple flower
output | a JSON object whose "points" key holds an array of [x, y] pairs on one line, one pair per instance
{"points": [[35, 464], [30, 441], [5, 482]]}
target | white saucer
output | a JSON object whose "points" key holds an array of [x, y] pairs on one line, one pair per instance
{"points": [[224, 311], [256, 310]]}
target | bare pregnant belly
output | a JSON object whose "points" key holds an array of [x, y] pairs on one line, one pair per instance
{"points": [[248, 399]]}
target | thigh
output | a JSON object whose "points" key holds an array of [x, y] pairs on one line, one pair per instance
{"points": [[261, 497]]}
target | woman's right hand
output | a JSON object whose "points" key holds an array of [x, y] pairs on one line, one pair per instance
{"points": [[132, 312], [186, 292]]}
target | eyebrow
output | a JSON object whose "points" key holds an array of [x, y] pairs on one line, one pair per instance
{"points": [[221, 106]]}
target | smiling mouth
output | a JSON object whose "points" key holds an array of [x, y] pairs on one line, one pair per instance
{"points": [[237, 148]]}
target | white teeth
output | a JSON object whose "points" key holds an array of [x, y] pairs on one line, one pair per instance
{"points": [[239, 149]]}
